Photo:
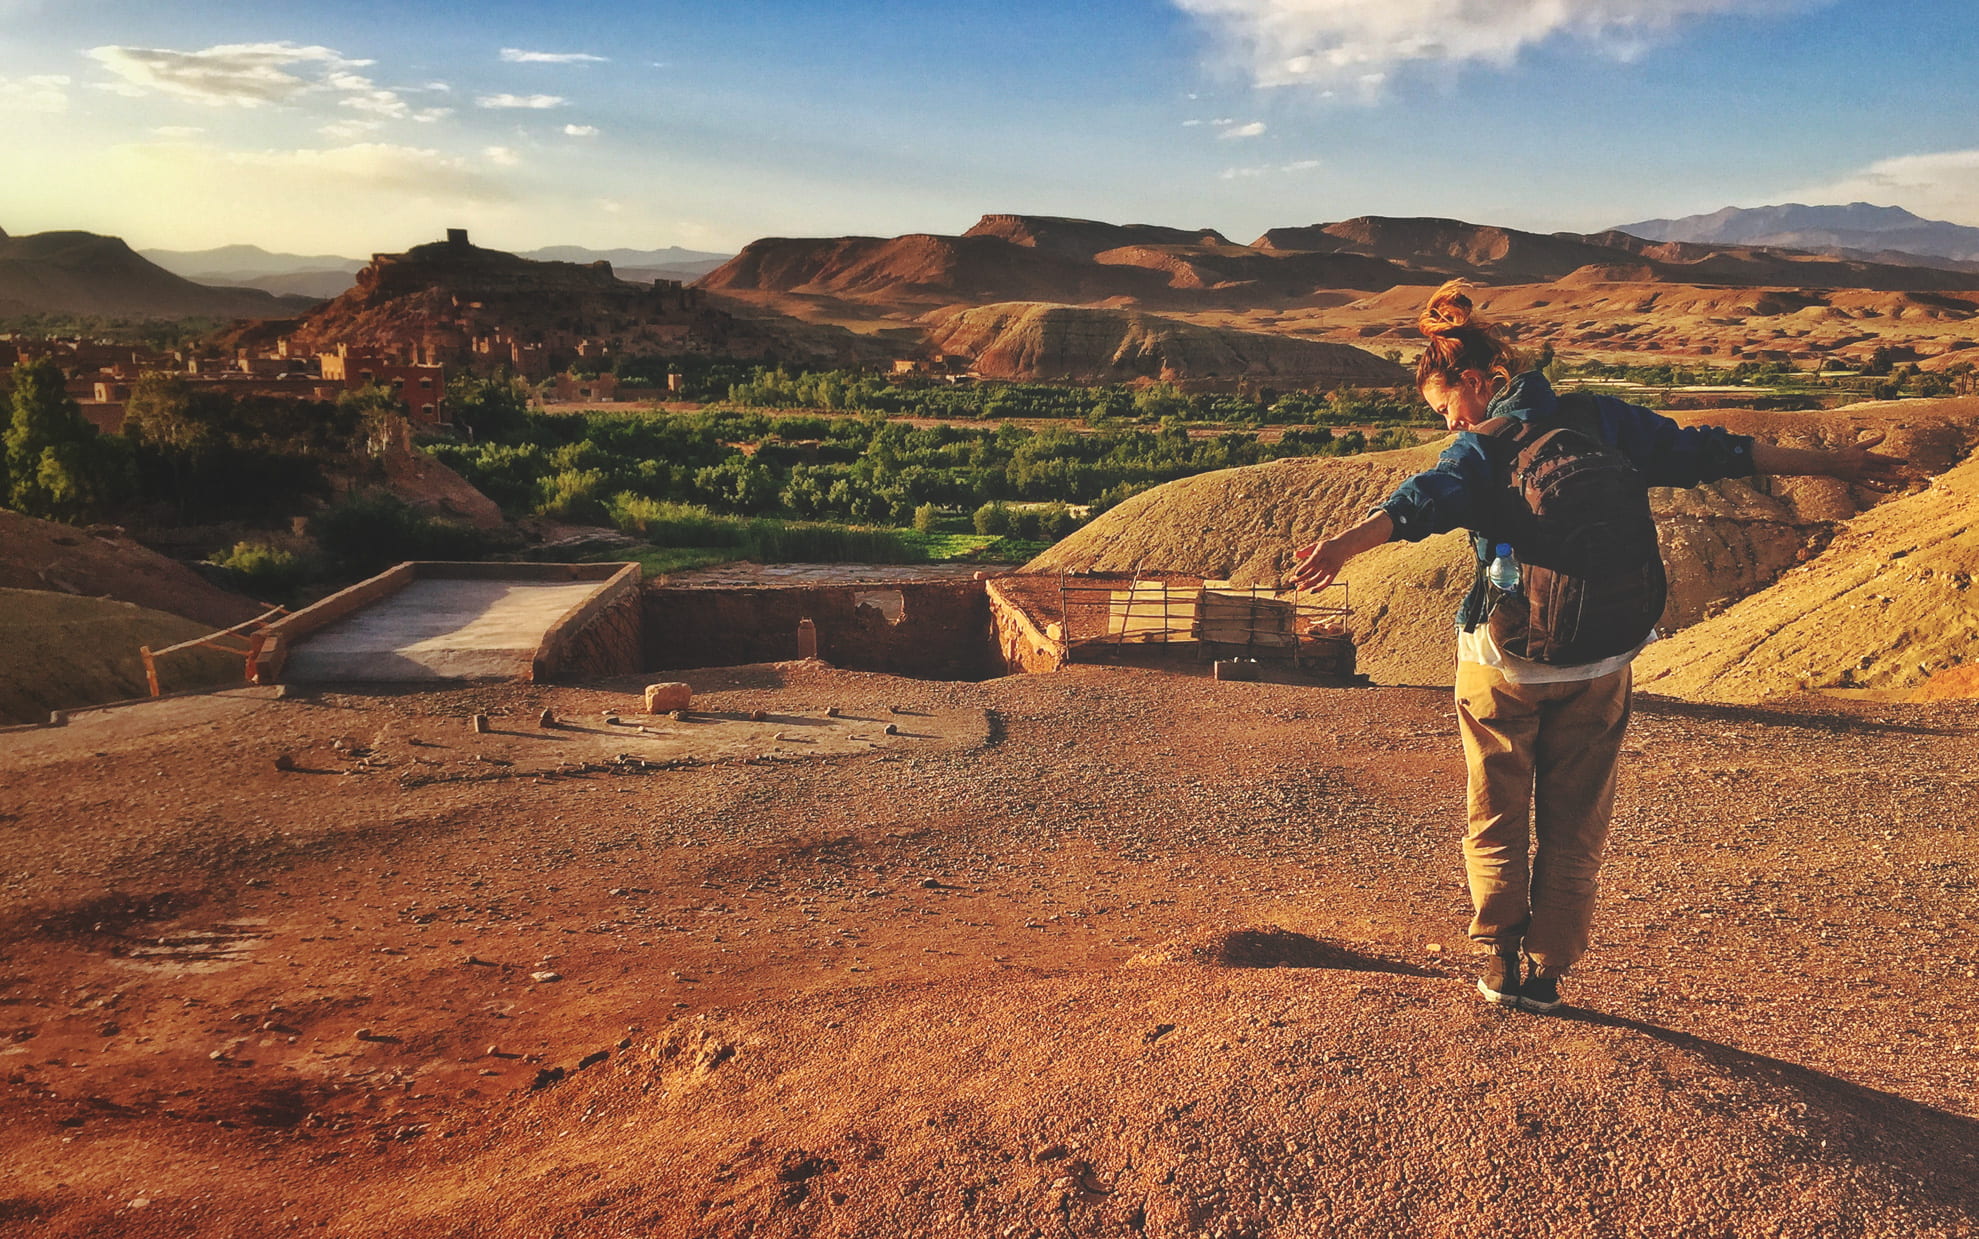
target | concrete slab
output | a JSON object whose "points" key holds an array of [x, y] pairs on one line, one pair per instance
{"points": [[439, 629]]}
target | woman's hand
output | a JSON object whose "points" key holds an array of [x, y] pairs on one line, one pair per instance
{"points": [[1317, 563], [1856, 463]]}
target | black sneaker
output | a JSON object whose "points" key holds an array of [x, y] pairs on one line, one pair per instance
{"points": [[1500, 982], [1540, 994]]}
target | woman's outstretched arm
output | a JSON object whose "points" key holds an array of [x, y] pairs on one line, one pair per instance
{"points": [[1854, 463], [1321, 561]]}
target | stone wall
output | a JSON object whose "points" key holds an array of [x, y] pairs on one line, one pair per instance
{"points": [[943, 631], [1021, 642], [610, 643]]}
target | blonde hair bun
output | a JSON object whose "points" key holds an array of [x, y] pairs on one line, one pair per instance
{"points": [[1449, 308], [1458, 340]]}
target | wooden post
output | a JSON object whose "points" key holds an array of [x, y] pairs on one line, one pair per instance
{"points": [[150, 668]]}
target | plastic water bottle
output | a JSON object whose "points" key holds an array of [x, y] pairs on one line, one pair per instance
{"points": [[1504, 570]]}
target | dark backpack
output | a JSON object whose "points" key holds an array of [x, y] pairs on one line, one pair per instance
{"points": [[1576, 512]]}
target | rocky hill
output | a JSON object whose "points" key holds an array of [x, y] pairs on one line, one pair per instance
{"points": [[920, 268], [1084, 238], [101, 562], [86, 273], [1722, 542], [467, 305], [1035, 340]]}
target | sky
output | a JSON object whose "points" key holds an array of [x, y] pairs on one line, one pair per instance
{"points": [[319, 127]]}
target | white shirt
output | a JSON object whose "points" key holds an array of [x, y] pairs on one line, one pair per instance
{"points": [[1476, 646]]}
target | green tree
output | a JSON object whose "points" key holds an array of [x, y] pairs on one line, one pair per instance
{"points": [[489, 409], [379, 415], [992, 518], [55, 466]]}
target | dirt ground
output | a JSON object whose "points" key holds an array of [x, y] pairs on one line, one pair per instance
{"points": [[1104, 952]]}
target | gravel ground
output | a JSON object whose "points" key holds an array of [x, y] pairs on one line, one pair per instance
{"points": [[1104, 952]]}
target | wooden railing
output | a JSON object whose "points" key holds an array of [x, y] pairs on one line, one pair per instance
{"points": [[248, 633]]}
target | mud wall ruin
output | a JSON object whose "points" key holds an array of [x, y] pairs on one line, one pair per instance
{"points": [[943, 631]]}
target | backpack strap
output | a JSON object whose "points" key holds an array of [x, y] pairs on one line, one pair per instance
{"points": [[1501, 436]]}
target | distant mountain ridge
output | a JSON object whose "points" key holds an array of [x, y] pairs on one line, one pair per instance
{"points": [[250, 262], [245, 262], [74, 272], [1859, 228]]}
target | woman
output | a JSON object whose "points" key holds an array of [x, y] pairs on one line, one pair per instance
{"points": [[1540, 738]]}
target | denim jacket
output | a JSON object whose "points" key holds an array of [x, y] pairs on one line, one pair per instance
{"points": [[1454, 495]]}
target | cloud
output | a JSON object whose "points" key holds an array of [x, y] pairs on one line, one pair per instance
{"points": [[502, 156], [241, 74], [350, 130], [178, 133], [581, 131], [1250, 130], [1935, 184], [1297, 165], [47, 93], [521, 101], [357, 168], [1356, 45], [254, 74], [516, 56]]}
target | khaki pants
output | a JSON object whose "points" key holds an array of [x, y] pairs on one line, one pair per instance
{"points": [[1550, 749]]}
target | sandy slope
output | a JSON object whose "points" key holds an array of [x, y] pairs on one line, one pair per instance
{"points": [[1886, 606], [60, 651]]}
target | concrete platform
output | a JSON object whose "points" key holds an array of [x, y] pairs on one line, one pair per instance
{"points": [[440, 629]]}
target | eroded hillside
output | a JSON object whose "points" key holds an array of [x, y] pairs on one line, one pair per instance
{"points": [[1043, 341]]}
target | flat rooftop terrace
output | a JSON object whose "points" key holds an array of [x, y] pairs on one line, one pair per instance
{"points": [[440, 630], [423, 622]]}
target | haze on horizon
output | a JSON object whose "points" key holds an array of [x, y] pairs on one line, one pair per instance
{"points": [[359, 126]]}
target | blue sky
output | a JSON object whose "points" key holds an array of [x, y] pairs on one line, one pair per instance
{"points": [[352, 127]]}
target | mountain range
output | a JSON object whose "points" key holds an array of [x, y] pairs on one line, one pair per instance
{"points": [[1046, 258], [1858, 230]]}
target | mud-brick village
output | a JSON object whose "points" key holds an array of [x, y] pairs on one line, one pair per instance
{"points": [[640, 624]]}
